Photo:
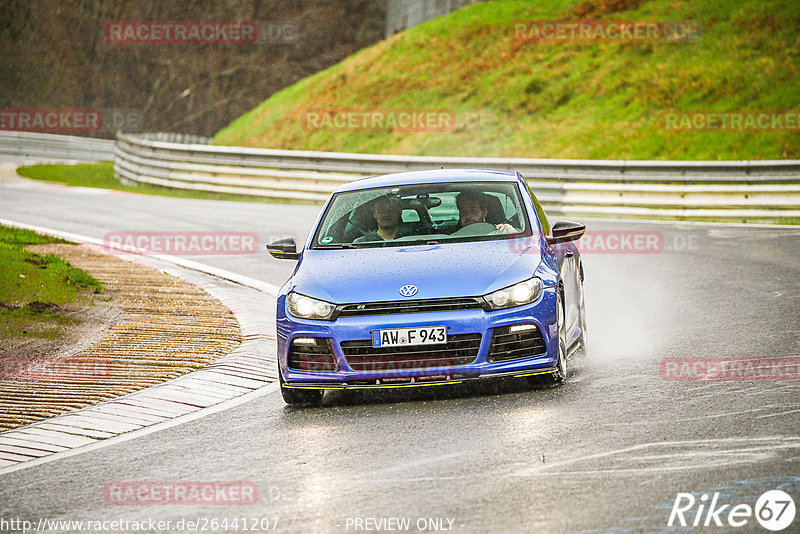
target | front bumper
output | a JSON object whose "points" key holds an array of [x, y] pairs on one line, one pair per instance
{"points": [[540, 313], [416, 382]]}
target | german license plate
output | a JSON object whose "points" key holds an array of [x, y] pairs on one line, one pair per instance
{"points": [[421, 335]]}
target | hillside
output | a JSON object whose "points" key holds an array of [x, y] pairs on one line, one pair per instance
{"points": [[555, 98]]}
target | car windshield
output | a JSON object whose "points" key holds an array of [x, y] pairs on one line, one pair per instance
{"points": [[421, 214]]}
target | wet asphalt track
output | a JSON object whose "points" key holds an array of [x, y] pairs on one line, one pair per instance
{"points": [[606, 452]]}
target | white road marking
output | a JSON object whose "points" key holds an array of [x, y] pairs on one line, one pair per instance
{"points": [[686, 455]]}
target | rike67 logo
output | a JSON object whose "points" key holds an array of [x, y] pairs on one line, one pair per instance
{"points": [[774, 510]]}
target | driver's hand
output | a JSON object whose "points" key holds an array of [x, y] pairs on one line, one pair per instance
{"points": [[506, 228]]}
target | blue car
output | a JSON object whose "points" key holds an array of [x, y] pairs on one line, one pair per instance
{"points": [[429, 278]]}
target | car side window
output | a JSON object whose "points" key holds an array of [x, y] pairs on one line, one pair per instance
{"points": [[410, 216], [447, 211]]}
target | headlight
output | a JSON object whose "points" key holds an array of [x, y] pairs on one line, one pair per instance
{"points": [[516, 295], [308, 308]]}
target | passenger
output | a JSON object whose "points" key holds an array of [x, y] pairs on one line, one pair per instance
{"points": [[473, 208]]}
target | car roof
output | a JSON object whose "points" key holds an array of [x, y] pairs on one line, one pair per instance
{"points": [[427, 177]]}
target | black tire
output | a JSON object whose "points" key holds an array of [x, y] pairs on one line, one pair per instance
{"points": [[561, 366], [300, 397], [556, 378], [583, 350]]}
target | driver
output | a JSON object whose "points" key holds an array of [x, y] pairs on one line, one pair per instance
{"points": [[473, 208], [387, 212]]}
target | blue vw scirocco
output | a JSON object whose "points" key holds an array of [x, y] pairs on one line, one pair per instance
{"points": [[429, 278]]}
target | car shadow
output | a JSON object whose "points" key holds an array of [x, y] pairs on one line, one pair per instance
{"points": [[465, 390]]}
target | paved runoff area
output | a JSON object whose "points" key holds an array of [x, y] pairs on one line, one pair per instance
{"points": [[177, 320]]}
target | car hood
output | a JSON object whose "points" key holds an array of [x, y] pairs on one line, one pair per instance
{"points": [[438, 271]]}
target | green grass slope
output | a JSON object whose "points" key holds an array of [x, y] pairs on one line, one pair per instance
{"points": [[556, 99]]}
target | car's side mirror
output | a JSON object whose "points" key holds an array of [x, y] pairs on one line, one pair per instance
{"points": [[564, 231], [284, 248]]}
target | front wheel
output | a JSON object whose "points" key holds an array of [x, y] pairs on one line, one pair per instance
{"points": [[584, 348], [560, 374], [300, 397]]}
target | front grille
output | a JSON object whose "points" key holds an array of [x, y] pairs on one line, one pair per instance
{"points": [[511, 346], [460, 349], [409, 306], [307, 357]]}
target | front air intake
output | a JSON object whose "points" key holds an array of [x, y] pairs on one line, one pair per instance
{"points": [[312, 354], [515, 342]]}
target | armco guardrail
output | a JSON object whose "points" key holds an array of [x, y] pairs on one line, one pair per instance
{"points": [[700, 190], [750, 191], [30, 145]]}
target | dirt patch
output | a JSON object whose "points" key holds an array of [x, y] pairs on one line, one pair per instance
{"points": [[85, 326]]}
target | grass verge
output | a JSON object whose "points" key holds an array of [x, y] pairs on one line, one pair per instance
{"points": [[101, 176]]}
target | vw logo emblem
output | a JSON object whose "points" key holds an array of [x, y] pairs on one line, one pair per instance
{"points": [[408, 291]]}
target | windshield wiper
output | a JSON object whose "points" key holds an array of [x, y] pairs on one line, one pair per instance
{"points": [[363, 244], [336, 246]]}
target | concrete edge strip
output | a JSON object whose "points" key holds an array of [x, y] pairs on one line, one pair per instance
{"points": [[183, 399]]}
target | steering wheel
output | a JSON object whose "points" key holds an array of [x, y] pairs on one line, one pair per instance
{"points": [[476, 229]]}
